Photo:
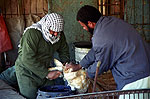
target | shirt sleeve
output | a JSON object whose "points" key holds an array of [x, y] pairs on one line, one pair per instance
{"points": [[88, 59], [102, 54], [63, 50], [29, 50]]}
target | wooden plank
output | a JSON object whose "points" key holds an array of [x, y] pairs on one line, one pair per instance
{"points": [[2, 6], [27, 6], [45, 6], [40, 6], [8, 7], [14, 8], [33, 6]]}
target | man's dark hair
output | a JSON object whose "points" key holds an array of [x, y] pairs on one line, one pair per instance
{"points": [[88, 13]]}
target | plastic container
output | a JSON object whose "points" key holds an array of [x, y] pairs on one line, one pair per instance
{"points": [[81, 49], [54, 91]]}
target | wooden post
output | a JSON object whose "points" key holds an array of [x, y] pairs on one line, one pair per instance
{"points": [[96, 74]]}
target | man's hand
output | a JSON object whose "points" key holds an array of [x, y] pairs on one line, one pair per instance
{"points": [[75, 67], [53, 75]]}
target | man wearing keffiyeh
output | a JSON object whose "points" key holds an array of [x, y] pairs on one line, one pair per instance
{"points": [[37, 47]]}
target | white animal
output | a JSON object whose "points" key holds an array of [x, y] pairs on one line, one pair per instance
{"points": [[76, 80]]}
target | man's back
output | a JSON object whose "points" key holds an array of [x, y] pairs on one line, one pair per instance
{"points": [[121, 49]]}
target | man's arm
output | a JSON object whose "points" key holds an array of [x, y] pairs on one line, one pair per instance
{"points": [[88, 59], [103, 54], [85, 62], [29, 51], [63, 50]]}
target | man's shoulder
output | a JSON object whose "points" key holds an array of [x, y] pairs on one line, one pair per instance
{"points": [[33, 32]]}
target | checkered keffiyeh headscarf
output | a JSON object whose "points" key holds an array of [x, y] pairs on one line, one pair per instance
{"points": [[49, 22]]}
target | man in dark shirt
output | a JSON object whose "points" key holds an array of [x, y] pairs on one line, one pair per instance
{"points": [[36, 51]]}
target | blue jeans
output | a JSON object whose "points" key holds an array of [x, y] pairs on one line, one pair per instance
{"points": [[9, 76]]}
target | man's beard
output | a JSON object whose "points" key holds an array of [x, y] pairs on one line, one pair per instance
{"points": [[90, 29]]}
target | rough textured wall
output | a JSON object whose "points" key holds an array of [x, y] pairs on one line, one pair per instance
{"points": [[137, 13], [73, 30], [69, 8]]}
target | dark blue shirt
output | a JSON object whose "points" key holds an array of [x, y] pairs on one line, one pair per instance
{"points": [[120, 49]]}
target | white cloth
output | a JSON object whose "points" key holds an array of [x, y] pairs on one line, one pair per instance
{"points": [[52, 21], [139, 84]]}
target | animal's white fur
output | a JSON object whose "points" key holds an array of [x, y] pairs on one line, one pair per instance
{"points": [[76, 80]]}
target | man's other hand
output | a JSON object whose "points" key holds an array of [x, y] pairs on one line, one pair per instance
{"points": [[75, 67], [53, 75]]}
